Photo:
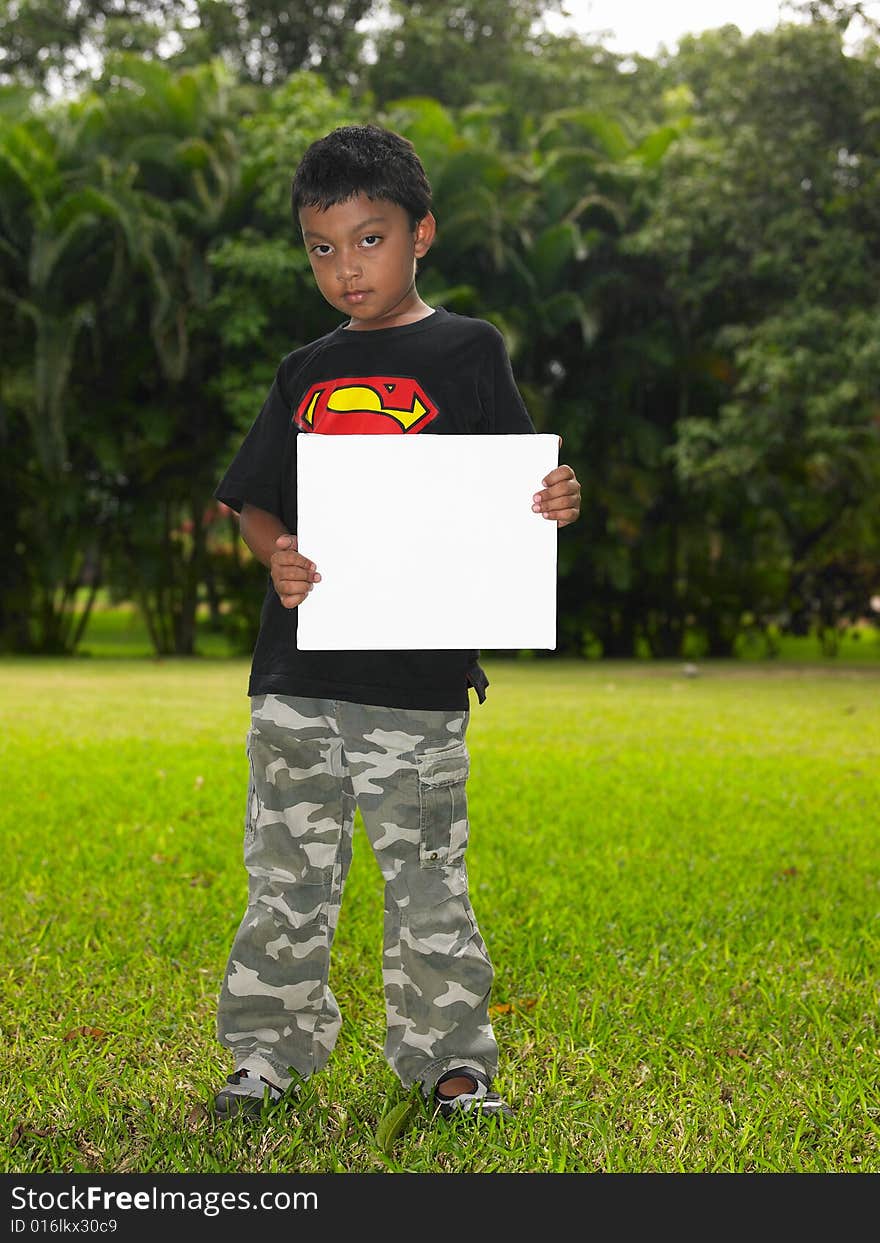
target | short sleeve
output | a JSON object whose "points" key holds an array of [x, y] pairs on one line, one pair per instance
{"points": [[501, 399], [255, 475]]}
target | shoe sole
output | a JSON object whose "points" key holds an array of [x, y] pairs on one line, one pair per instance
{"points": [[477, 1112], [244, 1106], [239, 1109], [235, 1104]]}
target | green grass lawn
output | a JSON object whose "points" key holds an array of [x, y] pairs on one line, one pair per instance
{"points": [[678, 879]]}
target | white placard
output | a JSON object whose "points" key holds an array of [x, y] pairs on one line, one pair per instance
{"points": [[426, 542]]}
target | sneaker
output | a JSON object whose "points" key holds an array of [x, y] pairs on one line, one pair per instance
{"points": [[246, 1094], [479, 1101]]}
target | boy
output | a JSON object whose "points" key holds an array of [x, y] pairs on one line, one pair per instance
{"points": [[385, 731]]}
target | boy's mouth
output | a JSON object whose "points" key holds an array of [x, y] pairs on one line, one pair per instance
{"points": [[355, 295]]}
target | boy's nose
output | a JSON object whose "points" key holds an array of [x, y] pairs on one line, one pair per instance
{"points": [[347, 268]]}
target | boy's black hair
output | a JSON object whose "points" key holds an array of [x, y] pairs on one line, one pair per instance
{"points": [[361, 159]]}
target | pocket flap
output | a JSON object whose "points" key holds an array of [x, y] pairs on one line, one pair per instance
{"points": [[444, 768]]}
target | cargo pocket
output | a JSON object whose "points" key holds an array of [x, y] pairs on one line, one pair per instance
{"points": [[442, 805]]}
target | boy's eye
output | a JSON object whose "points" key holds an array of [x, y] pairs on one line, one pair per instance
{"points": [[371, 239], [321, 248]]}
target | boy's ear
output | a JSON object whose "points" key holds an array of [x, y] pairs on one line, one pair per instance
{"points": [[426, 231]]}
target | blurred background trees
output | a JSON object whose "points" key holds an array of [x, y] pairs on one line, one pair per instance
{"points": [[682, 253]]}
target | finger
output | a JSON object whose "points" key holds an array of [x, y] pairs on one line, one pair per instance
{"points": [[293, 589], [570, 512], [294, 576], [562, 487], [560, 496], [287, 583], [567, 516], [287, 560], [558, 475], [286, 541], [292, 593]]}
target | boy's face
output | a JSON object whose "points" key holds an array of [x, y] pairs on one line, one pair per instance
{"points": [[363, 253]]}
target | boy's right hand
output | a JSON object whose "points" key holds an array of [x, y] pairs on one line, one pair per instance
{"points": [[292, 574]]}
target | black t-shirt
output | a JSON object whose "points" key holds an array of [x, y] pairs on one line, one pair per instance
{"points": [[446, 374]]}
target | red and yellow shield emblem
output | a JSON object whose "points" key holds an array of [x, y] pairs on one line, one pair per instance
{"points": [[365, 405]]}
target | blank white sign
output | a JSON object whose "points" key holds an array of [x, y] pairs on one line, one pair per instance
{"points": [[426, 542]]}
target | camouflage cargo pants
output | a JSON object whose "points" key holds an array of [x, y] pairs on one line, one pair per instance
{"points": [[312, 761]]}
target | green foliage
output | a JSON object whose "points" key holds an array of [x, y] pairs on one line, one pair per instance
{"points": [[110, 218], [263, 40], [681, 257], [450, 49], [758, 225], [395, 1121]]}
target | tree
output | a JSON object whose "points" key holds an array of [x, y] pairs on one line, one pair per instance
{"points": [[66, 42], [47, 42], [764, 228], [108, 205], [448, 50], [798, 442], [175, 131], [65, 242], [265, 41]]}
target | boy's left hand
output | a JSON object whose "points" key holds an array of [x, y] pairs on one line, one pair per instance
{"points": [[561, 497]]}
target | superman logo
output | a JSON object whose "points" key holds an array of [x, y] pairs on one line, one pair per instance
{"points": [[365, 405]]}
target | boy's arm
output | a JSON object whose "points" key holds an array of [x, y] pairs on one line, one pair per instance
{"points": [[272, 544]]}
